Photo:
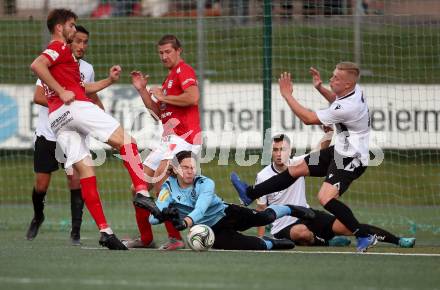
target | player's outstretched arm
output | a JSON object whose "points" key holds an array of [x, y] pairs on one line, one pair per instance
{"points": [[286, 89], [317, 83], [114, 73], [140, 82], [40, 66]]}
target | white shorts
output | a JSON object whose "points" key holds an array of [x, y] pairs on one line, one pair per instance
{"points": [[168, 148], [73, 123]]}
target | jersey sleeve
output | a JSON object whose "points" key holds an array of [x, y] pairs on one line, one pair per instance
{"points": [[92, 76], [263, 199], [295, 160], [187, 77], [206, 190], [56, 52], [336, 113]]}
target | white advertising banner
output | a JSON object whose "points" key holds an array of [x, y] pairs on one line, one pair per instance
{"points": [[402, 116]]}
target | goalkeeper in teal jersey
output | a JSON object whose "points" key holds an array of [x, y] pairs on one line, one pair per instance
{"points": [[188, 199]]}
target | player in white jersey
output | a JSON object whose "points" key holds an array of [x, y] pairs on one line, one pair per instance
{"points": [[45, 145], [342, 163], [323, 228]]}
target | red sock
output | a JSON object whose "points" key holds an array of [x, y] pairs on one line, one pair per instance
{"points": [[143, 225], [133, 163], [91, 198], [172, 232]]}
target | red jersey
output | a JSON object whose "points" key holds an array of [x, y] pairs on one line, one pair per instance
{"points": [[181, 121], [65, 70]]}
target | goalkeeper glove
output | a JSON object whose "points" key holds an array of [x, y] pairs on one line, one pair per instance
{"points": [[170, 213], [179, 224]]}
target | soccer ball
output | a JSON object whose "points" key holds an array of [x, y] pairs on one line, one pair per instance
{"points": [[200, 238]]}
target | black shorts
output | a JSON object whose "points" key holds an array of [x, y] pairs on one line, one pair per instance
{"points": [[44, 156], [227, 230], [320, 226], [340, 171], [237, 218]]}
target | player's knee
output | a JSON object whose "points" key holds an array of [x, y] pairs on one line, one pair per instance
{"points": [[301, 234], [325, 197], [41, 185], [73, 182]]}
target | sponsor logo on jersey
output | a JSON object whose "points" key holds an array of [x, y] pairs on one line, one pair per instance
{"points": [[338, 107], [170, 84], [178, 70], [52, 54]]}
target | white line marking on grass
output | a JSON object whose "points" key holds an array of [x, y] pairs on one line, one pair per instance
{"points": [[292, 252], [336, 252], [123, 283]]}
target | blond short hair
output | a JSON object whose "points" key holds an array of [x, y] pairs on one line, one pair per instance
{"points": [[350, 67]]}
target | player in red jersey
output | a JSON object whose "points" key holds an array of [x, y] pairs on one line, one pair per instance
{"points": [[175, 104], [73, 117]]}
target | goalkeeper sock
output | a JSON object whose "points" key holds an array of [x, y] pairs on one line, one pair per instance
{"points": [[344, 214], [133, 163], [38, 199], [276, 183], [91, 198], [280, 210], [76, 207], [382, 235], [268, 244]]}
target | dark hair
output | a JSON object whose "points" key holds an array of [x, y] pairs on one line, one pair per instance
{"points": [[59, 16], [80, 28], [171, 39], [280, 138], [183, 155]]}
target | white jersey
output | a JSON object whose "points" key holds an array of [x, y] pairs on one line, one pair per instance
{"points": [[351, 118], [43, 127], [294, 194]]}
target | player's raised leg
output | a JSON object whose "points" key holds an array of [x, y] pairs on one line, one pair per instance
{"points": [[276, 183], [327, 196], [133, 163]]}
